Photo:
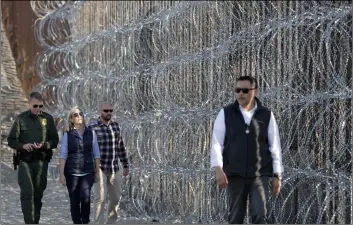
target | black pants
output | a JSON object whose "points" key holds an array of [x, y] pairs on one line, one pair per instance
{"points": [[238, 190], [32, 179], [79, 188]]}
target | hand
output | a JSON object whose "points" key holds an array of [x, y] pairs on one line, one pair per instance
{"points": [[38, 145], [62, 179], [28, 147], [126, 172], [221, 177], [276, 186], [97, 177]]}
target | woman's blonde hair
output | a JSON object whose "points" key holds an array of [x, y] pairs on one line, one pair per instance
{"points": [[70, 125]]}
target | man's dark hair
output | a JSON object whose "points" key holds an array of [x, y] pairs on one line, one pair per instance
{"points": [[35, 95], [251, 79]]}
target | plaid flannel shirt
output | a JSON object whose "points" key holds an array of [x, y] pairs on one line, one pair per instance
{"points": [[111, 145]]}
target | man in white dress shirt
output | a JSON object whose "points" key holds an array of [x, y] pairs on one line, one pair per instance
{"points": [[246, 153]]}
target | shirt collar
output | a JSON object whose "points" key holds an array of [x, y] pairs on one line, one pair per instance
{"points": [[32, 115], [77, 133], [84, 128], [251, 111]]}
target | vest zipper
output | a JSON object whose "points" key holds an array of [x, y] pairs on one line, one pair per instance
{"points": [[247, 139]]}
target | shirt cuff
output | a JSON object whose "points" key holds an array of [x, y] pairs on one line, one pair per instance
{"points": [[215, 163], [20, 147], [278, 169]]}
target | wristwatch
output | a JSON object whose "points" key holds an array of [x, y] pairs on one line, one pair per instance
{"points": [[278, 176]]}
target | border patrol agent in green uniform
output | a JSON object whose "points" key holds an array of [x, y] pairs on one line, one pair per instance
{"points": [[33, 135]]}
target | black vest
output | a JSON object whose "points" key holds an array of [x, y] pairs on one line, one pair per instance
{"points": [[247, 154], [80, 154]]}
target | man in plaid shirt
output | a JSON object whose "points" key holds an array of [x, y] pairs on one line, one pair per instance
{"points": [[111, 148]]}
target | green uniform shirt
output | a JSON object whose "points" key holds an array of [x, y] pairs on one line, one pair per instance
{"points": [[29, 128]]}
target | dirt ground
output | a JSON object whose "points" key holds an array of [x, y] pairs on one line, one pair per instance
{"points": [[56, 207]]}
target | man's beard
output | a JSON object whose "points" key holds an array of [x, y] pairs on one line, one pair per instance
{"points": [[106, 118]]}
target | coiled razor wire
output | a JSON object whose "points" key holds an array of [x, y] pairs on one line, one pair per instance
{"points": [[169, 67]]}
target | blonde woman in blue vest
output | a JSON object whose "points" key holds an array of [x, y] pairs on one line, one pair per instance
{"points": [[79, 163]]}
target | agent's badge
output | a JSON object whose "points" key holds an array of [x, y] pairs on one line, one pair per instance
{"points": [[44, 122]]}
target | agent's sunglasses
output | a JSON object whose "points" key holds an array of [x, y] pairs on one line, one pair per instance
{"points": [[244, 90], [77, 114], [107, 110], [36, 106]]}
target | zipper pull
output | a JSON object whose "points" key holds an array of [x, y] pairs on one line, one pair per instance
{"points": [[247, 129]]}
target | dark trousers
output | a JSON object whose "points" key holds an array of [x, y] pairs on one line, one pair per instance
{"points": [[79, 188], [32, 179], [238, 190]]}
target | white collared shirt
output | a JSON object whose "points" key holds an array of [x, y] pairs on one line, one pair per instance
{"points": [[219, 130]]}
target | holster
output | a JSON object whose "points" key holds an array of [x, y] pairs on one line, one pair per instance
{"points": [[15, 160]]}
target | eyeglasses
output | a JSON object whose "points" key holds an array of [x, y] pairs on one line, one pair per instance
{"points": [[77, 114], [244, 90], [36, 106], [107, 110]]}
